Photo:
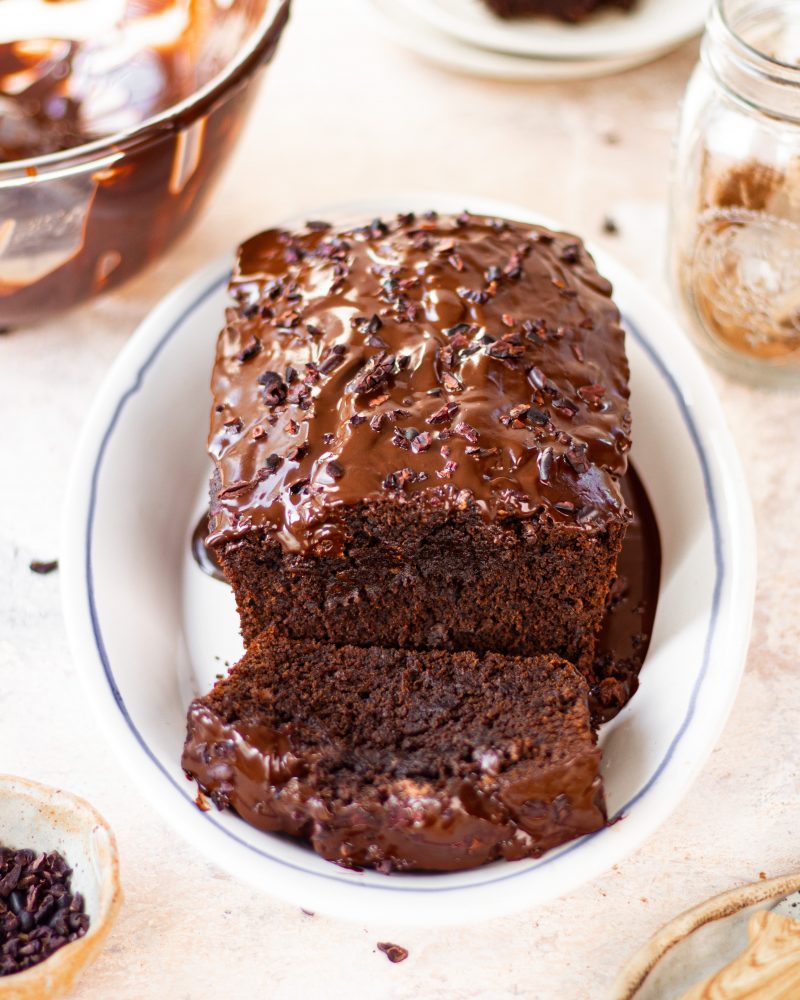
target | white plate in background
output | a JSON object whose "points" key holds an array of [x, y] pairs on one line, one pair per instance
{"points": [[402, 26], [148, 631], [652, 25]]}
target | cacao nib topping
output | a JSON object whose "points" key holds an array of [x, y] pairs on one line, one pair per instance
{"points": [[565, 406], [546, 464], [402, 438], [467, 431], [249, 351], [334, 470], [571, 253], [476, 295], [477, 312], [39, 913], [333, 359], [421, 442], [444, 414], [378, 370], [539, 380], [400, 479], [298, 393], [503, 350], [42, 568], [273, 463], [538, 417], [592, 394], [274, 388], [451, 382], [576, 456]]}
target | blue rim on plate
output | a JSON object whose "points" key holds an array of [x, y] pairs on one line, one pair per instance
{"points": [[631, 330]]}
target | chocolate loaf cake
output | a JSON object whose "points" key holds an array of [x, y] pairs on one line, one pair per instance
{"points": [[400, 759], [565, 10], [418, 429]]}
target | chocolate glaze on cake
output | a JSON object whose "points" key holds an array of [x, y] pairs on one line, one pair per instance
{"points": [[427, 355], [418, 429], [395, 759]]}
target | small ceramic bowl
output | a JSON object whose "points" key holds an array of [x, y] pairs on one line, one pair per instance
{"points": [[702, 940], [46, 819]]}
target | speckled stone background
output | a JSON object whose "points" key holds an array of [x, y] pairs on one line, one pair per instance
{"points": [[343, 115]]}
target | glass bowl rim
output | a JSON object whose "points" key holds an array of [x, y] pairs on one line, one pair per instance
{"points": [[94, 153], [790, 71]]}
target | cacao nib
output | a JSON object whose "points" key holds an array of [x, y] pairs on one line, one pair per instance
{"points": [[394, 952], [451, 382], [421, 442], [400, 479], [274, 388], [565, 406], [376, 371], [334, 470], [39, 913], [467, 431], [537, 417], [443, 414], [250, 350], [503, 351], [571, 253], [592, 394], [576, 456]]}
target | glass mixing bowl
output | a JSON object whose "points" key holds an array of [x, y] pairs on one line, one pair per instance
{"points": [[165, 85]]}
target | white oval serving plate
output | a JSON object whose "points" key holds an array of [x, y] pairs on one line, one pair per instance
{"points": [[148, 631], [652, 26]]}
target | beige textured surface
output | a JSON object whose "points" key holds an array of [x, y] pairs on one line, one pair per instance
{"points": [[344, 115]]}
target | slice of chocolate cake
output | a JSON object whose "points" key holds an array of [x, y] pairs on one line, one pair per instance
{"points": [[565, 10], [418, 429], [398, 759]]}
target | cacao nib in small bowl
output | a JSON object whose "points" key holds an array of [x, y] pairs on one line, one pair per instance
{"points": [[59, 888]]}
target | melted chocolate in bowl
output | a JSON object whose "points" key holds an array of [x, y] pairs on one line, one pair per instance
{"points": [[625, 638], [74, 73]]}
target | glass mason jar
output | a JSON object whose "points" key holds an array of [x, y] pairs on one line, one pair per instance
{"points": [[735, 205]]}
